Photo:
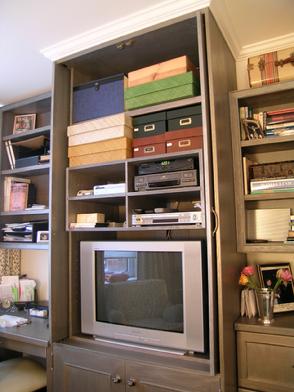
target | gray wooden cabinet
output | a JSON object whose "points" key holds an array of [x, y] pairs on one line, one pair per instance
{"points": [[80, 368], [198, 37], [266, 355]]}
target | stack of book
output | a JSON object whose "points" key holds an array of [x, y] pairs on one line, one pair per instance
{"points": [[268, 177], [290, 238], [22, 232], [279, 122], [19, 193], [269, 185]]}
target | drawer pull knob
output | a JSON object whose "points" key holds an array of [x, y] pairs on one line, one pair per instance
{"points": [[116, 379], [131, 382]]}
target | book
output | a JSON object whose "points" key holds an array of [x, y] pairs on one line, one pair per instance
{"points": [[8, 181], [271, 184], [247, 163], [280, 125], [18, 196], [8, 152], [280, 111]]}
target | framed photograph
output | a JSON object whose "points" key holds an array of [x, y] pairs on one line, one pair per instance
{"points": [[284, 300], [42, 236], [24, 122], [252, 129]]}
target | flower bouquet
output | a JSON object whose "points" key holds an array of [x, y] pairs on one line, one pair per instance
{"points": [[255, 298], [248, 301]]}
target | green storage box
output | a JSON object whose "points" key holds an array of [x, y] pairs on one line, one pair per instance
{"points": [[165, 90]]}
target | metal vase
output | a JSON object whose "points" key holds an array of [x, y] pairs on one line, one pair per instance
{"points": [[265, 298]]}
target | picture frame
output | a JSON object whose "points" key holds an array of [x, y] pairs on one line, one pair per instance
{"points": [[24, 123], [43, 236], [284, 300], [252, 129]]}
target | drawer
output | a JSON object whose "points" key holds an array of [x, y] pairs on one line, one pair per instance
{"points": [[24, 347], [265, 362]]}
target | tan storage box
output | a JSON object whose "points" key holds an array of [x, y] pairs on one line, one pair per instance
{"points": [[271, 67], [104, 128], [104, 151], [160, 71]]}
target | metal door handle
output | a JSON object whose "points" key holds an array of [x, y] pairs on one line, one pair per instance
{"points": [[116, 379], [131, 382], [216, 221]]}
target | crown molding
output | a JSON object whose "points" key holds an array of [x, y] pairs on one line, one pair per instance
{"points": [[136, 21], [221, 14], [270, 45]]}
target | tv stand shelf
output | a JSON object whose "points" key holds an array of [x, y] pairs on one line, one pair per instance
{"points": [[123, 206]]}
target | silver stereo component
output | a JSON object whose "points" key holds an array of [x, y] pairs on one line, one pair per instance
{"points": [[193, 217], [166, 180]]}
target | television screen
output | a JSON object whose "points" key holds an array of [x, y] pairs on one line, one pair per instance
{"points": [[140, 289]]}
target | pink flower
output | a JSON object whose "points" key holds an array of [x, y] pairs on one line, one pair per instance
{"points": [[249, 270], [285, 275]]}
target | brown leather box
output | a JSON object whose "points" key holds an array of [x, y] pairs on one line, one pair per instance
{"points": [[271, 67], [147, 146], [184, 140]]}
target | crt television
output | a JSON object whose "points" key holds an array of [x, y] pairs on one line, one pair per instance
{"points": [[149, 293]]}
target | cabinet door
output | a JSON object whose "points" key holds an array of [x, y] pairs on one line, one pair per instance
{"points": [[151, 378], [78, 370], [266, 362]]}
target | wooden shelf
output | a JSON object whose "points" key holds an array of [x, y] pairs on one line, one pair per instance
{"points": [[29, 170], [165, 106], [166, 192], [109, 199], [138, 228], [25, 212], [267, 141], [269, 196], [267, 247], [24, 245], [28, 134]]}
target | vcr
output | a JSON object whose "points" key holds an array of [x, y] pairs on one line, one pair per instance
{"points": [[166, 180]]}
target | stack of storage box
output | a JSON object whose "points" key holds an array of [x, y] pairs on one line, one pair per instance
{"points": [[163, 82], [100, 140], [168, 131]]}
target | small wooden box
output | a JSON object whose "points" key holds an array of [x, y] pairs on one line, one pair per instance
{"points": [[170, 89], [147, 146], [159, 71], [271, 67], [98, 129], [184, 140], [149, 125]]}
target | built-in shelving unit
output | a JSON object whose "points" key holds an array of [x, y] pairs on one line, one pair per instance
{"points": [[198, 37], [38, 174], [269, 149]]}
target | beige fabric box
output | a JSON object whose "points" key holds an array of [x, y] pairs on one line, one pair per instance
{"points": [[103, 151], [104, 128]]}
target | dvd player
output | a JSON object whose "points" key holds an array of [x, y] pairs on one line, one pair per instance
{"points": [[165, 180], [167, 165], [190, 217]]}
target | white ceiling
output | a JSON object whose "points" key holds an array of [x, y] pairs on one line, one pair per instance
{"points": [[27, 27]]}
